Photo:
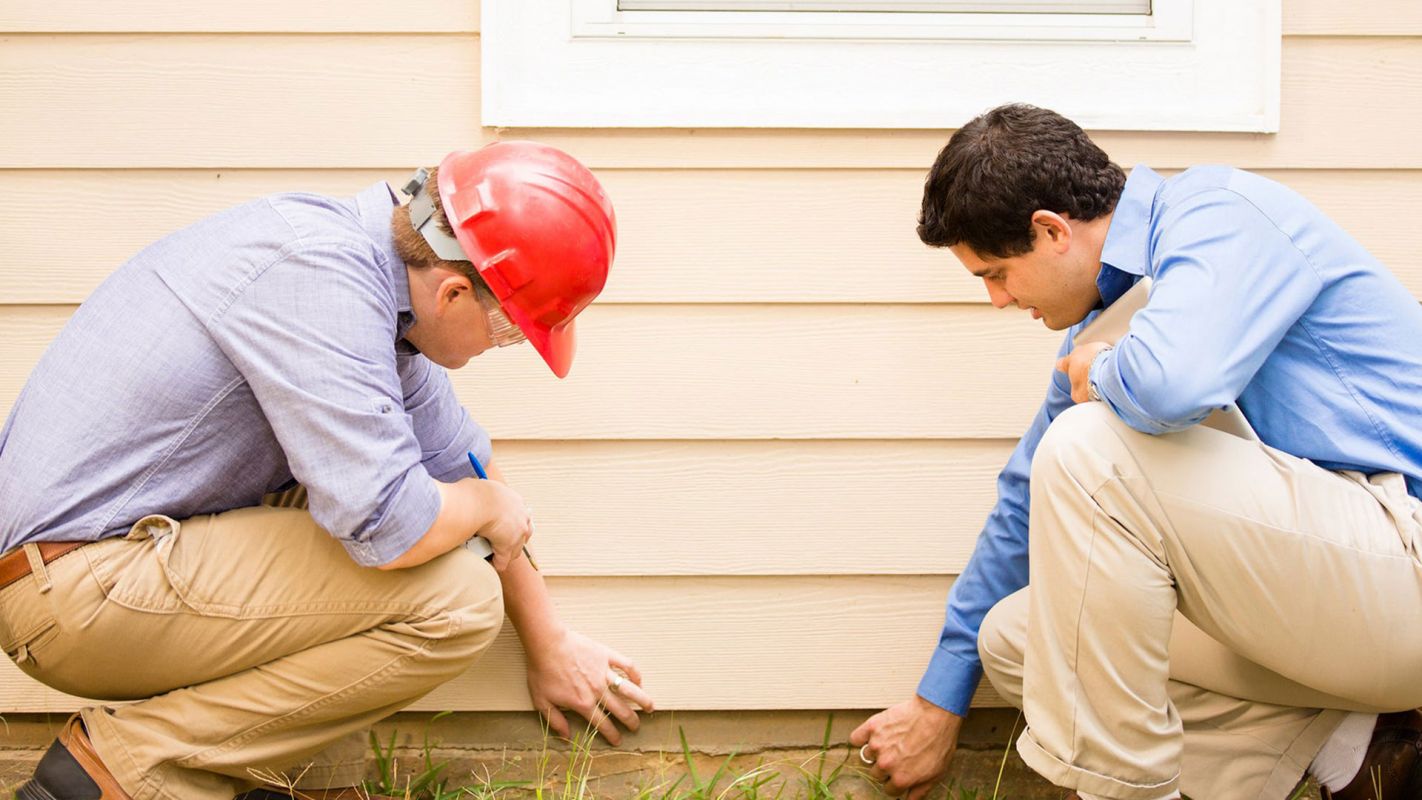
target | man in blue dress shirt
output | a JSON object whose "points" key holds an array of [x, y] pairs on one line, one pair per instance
{"points": [[295, 338], [1173, 607]]}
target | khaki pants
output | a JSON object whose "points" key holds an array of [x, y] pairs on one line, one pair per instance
{"points": [[253, 643], [1196, 602]]}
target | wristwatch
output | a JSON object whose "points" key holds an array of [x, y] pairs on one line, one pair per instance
{"points": [[1091, 391]]}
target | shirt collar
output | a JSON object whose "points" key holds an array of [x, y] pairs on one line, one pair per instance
{"points": [[1125, 254], [375, 205]]}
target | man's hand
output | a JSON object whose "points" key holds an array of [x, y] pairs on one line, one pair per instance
{"points": [[577, 673], [508, 525], [910, 745], [1077, 366]]}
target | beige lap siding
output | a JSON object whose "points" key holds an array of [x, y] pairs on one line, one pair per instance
{"points": [[860, 251], [780, 438]]}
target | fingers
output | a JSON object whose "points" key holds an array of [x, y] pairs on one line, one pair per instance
{"points": [[878, 774], [1063, 363], [600, 719], [860, 736], [920, 791], [556, 721], [624, 713], [630, 690], [625, 664]]}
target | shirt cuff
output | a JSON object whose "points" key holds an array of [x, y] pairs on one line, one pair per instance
{"points": [[949, 681], [1093, 373], [408, 516]]}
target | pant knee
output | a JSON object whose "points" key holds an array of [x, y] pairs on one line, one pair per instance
{"points": [[468, 604], [1083, 428]]}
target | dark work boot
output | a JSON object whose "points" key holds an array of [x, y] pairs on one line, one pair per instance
{"points": [[71, 770]]}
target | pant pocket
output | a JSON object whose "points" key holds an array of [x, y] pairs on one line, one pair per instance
{"points": [[27, 624], [1390, 488], [135, 571]]}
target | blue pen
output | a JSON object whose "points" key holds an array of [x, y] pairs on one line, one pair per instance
{"points": [[484, 476], [478, 468]]}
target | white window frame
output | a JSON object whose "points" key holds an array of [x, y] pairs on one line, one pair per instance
{"points": [[1191, 65]]}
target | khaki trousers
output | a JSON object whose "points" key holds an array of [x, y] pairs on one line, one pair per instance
{"points": [[253, 644], [1202, 610]]}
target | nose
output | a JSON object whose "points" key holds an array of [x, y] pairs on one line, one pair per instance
{"points": [[998, 295]]}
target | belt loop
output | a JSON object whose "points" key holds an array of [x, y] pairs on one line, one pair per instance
{"points": [[37, 568]]}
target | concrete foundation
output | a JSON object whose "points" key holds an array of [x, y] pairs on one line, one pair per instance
{"points": [[483, 749]]}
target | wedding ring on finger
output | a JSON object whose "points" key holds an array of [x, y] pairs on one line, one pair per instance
{"points": [[864, 755], [614, 682]]}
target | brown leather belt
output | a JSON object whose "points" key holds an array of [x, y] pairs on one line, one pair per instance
{"points": [[15, 565]]}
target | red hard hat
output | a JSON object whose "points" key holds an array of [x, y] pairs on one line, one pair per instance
{"points": [[540, 231]]}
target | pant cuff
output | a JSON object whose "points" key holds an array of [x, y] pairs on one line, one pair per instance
{"points": [[1295, 761], [153, 784], [1071, 776]]}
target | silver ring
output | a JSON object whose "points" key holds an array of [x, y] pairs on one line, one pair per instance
{"points": [[863, 755], [616, 683]]}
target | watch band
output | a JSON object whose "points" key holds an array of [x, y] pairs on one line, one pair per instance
{"points": [[1091, 389]]}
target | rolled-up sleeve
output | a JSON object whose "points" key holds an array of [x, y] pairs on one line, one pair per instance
{"points": [[313, 336], [1229, 284]]}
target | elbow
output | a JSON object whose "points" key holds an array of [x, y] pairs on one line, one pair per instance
{"points": [[1172, 406]]}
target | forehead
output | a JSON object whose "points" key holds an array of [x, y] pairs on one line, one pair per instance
{"points": [[970, 259]]}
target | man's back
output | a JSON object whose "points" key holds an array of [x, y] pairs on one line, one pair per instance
{"points": [[135, 406], [1333, 339]]}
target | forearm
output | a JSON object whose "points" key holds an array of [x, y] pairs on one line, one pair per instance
{"points": [[529, 607], [526, 599]]}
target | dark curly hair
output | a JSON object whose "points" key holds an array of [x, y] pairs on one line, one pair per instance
{"points": [[1003, 166]]}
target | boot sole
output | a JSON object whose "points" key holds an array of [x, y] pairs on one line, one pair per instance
{"points": [[31, 791]]}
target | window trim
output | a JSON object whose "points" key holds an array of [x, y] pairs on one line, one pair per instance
{"points": [[1204, 66], [1169, 21]]}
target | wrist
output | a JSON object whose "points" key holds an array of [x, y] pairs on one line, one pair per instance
{"points": [[941, 717], [541, 638], [1093, 391]]}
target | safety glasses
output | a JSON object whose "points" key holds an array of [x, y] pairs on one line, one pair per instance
{"points": [[501, 328]]}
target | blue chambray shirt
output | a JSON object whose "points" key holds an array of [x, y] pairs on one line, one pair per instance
{"points": [[1256, 295], [261, 346]]}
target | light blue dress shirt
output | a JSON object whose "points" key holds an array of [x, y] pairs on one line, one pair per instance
{"points": [[1256, 296], [261, 346]]}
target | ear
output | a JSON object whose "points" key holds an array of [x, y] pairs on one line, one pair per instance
{"points": [[1053, 229], [451, 289]]}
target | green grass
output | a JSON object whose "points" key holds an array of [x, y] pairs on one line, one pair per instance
{"points": [[828, 774], [820, 777]]}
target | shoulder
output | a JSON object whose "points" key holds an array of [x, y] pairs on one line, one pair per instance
{"points": [[320, 224]]}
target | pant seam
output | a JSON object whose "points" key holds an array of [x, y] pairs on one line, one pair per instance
{"points": [[1076, 639]]}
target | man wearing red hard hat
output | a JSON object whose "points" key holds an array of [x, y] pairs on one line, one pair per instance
{"points": [[294, 346]]}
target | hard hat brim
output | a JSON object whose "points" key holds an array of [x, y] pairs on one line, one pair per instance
{"points": [[556, 345]]}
